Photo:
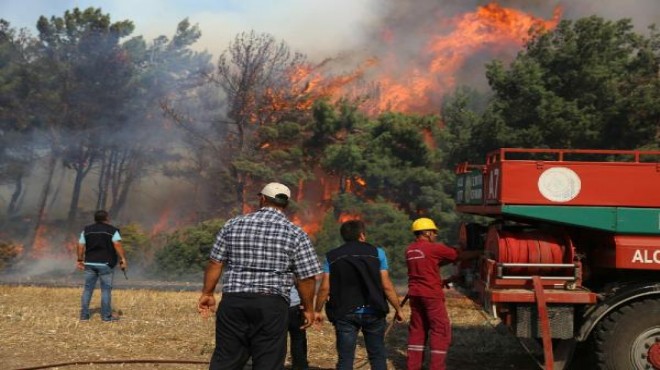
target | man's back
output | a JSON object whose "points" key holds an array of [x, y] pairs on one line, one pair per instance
{"points": [[262, 251], [99, 246], [355, 279], [423, 260]]}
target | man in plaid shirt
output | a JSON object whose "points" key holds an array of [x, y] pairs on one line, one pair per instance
{"points": [[261, 253]]}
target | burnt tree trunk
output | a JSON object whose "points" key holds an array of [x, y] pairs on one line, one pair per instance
{"points": [[13, 207], [82, 167], [102, 186]]}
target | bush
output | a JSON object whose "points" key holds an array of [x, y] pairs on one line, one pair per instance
{"points": [[136, 244], [8, 253], [186, 251]]}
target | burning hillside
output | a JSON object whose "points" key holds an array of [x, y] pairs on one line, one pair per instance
{"points": [[410, 75]]}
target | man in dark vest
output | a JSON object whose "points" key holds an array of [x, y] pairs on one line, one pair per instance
{"points": [[355, 290], [99, 248]]}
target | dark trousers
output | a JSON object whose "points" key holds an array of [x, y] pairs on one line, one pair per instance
{"points": [[298, 340], [373, 331], [250, 325]]}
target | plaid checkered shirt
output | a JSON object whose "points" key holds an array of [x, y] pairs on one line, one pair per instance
{"points": [[262, 252]]}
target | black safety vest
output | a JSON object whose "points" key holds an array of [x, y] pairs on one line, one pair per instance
{"points": [[99, 247], [355, 280]]}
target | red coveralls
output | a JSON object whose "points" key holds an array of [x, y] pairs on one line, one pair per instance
{"points": [[427, 303]]}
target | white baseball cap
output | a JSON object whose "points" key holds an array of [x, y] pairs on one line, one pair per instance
{"points": [[276, 190]]}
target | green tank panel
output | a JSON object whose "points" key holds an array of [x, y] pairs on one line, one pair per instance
{"points": [[622, 220]]}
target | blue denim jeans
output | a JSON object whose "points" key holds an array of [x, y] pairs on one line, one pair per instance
{"points": [[92, 273], [373, 330]]}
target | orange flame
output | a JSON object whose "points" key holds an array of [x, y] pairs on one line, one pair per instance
{"points": [[308, 227], [348, 217], [41, 242], [411, 85], [490, 26]]}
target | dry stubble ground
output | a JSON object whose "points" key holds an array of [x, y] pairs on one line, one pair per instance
{"points": [[39, 326]]}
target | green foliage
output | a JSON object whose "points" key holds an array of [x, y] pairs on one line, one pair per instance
{"points": [[390, 172], [590, 83], [460, 116], [328, 236], [186, 251], [392, 157], [136, 244]]}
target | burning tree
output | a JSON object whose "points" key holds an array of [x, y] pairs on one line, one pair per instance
{"points": [[232, 148]]}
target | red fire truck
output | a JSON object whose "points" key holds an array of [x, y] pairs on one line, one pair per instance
{"points": [[572, 250]]}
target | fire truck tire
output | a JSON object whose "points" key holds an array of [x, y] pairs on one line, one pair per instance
{"points": [[625, 338]]}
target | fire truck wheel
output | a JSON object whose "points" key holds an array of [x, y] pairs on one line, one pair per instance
{"points": [[629, 338]]}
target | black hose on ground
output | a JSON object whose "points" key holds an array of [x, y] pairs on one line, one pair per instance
{"points": [[110, 362]]}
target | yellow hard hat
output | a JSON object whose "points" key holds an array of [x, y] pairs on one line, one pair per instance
{"points": [[422, 224]]}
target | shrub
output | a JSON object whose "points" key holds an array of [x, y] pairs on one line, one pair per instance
{"points": [[186, 251], [8, 253]]}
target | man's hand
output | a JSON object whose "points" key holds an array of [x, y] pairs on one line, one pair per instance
{"points": [[319, 317], [449, 280], [398, 316], [308, 319], [123, 264], [80, 265], [206, 305]]}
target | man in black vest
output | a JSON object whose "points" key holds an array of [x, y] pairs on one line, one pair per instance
{"points": [[355, 290], [99, 247]]}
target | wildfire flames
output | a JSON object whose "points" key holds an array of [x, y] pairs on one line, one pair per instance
{"points": [[415, 85]]}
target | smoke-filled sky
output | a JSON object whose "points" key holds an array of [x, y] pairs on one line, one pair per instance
{"points": [[318, 28]]}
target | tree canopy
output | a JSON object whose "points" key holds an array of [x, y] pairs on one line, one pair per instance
{"points": [[590, 84]]}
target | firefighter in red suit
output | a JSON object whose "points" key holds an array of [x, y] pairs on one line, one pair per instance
{"points": [[425, 292]]}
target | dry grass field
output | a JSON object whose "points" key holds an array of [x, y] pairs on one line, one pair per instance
{"points": [[39, 328]]}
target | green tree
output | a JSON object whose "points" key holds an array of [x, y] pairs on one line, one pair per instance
{"points": [[16, 117], [166, 77], [88, 83], [460, 115], [136, 244], [394, 157], [590, 83], [390, 171]]}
